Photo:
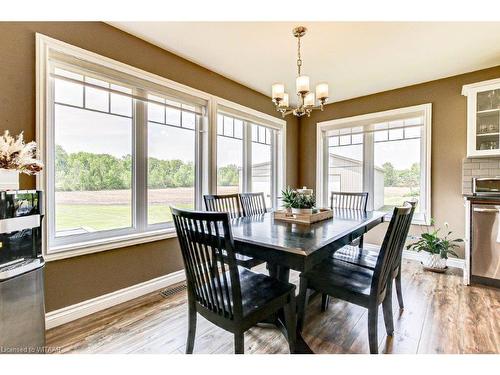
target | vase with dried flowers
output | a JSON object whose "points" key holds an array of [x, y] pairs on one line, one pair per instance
{"points": [[16, 157]]}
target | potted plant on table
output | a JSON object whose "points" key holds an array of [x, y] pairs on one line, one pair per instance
{"points": [[16, 157], [438, 248], [298, 202]]}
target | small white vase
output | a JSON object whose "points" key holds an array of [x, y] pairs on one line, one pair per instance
{"points": [[434, 262], [9, 179]]}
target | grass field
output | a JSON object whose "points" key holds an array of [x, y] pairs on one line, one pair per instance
{"points": [[103, 217], [394, 196]]}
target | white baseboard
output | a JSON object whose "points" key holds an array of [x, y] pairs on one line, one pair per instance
{"points": [[451, 262], [69, 313]]}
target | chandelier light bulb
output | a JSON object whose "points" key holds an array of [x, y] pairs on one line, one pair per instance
{"points": [[284, 101], [278, 91], [302, 84], [309, 99], [322, 91]]}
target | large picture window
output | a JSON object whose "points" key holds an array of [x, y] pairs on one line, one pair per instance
{"points": [[246, 159], [122, 145], [386, 154]]}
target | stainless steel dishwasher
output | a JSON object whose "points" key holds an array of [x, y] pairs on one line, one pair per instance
{"points": [[485, 249]]}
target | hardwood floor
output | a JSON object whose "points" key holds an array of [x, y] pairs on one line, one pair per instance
{"points": [[441, 315]]}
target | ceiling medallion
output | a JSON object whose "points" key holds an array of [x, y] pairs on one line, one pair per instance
{"points": [[306, 98]]}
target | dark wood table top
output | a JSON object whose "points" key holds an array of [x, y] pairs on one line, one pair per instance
{"points": [[301, 239]]}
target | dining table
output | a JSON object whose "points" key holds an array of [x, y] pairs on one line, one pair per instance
{"points": [[286, 246]]}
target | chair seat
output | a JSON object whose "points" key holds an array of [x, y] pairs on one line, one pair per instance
{"points": [[259, 290], [365, 257], [340, 279]]}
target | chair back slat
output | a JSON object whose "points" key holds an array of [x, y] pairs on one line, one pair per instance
{"points": [[207, 249], [391, 248], [413, 205], [253, 203], [229, 203], [353, 201]]}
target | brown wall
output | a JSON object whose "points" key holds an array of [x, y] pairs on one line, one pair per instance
{"points": [[449, 124], [76, 279]]}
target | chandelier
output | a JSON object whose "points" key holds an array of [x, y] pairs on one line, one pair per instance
{"points": [[306, 97]]}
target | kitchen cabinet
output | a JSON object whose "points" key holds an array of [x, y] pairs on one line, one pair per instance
{"points": [[483, 118]]}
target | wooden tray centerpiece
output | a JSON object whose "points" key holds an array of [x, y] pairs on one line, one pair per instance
{"points": [[299, 207], [303, 218]]}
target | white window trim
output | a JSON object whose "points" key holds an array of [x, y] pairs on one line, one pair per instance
{"points": [[278, 159], [44, 44], [424, 110]]}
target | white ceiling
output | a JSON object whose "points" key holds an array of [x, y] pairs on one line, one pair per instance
{"points": [[355, 58]]}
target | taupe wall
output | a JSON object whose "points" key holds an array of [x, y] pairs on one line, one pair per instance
{"points": [[76, 279], [449, 125]]}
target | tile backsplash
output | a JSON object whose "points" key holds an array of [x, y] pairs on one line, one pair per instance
{"points": [[478, 167]]}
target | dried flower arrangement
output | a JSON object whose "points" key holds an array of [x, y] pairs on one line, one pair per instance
{"points": [[16, 155]]}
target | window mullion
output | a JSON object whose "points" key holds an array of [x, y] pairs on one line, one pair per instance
{"points": [[247, 157], [140, 166], [368, 167]]}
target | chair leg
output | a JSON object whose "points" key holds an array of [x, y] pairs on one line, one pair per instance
{"points": [[399, 291], [372, 329], [360, 245], [387, 309], [289, 311], [239, 343], [191, 328], [325, 300], [303, 301]]}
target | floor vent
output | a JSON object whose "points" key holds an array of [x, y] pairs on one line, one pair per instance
{"points": [[173, 290]]}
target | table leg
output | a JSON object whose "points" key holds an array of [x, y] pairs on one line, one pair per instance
{"points": [[301, 346]]}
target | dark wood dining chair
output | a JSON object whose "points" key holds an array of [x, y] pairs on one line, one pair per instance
{"points": [[351, 201], [231, 203], [366, 256], [253, 203], [360, 285], [232, 297]]}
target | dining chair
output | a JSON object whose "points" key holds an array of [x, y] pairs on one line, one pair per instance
{"points": [[352, 201], [231, 203], [360, 285], [366, 256], [231, 297], [253, 203]]}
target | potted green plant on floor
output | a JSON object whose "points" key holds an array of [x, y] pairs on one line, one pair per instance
{"points": [[297, 202], [437, 248]]}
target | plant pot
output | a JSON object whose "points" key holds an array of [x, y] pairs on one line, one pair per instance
{"points": [[302, 211], [9, 179], [434, 262]]}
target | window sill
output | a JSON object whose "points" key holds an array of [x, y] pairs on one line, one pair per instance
{"points": [[90, 247]]}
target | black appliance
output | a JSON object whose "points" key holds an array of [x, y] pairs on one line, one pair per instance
{"points": [[22, 310]]}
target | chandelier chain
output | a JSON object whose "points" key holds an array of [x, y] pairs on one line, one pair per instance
{"points": [[299, 60]]}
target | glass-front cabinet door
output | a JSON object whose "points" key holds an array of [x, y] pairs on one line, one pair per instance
{"points": [[483, 118]]}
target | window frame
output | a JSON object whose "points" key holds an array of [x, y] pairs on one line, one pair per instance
{"points": [[205, 150], [424, 110]]}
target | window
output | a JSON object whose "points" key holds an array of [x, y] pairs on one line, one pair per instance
{"points": [[102, 128], [386, 154], [122, 145], [245, 157], [229, 155]]}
